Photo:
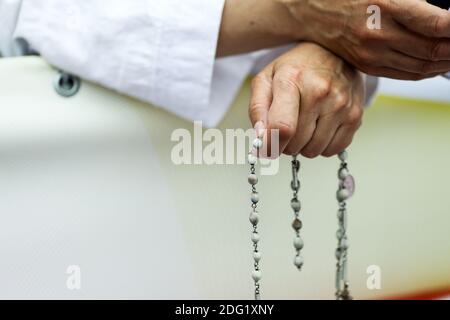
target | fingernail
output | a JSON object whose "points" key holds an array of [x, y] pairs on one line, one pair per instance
{"points": [[259, 129]]}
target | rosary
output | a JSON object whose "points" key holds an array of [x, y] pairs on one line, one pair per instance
{"points": [[345, 191]]}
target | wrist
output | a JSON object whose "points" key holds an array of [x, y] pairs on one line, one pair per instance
{"points": [[287, 25]]}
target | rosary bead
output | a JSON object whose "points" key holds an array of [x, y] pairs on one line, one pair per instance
{"points": [[343, 173], [255, 237], [338, 253], [342, 195], [257, 143], [340, 233], [251, 159], [252, 179], [254, 218], [257, 256], [297, 224], [298, 261], [256, 275], [344, 244], [341, 213], [298, 243], [296, 205], [255, 197], [343, 156]]}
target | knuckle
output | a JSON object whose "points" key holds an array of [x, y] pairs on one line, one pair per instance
{"points": [[255, 109], [355, 116], [366, 56], [341, 100], [284, 83], [435, 50], [426, 67], [437, 24], [322, 88], [285, 130], [288, 76]]}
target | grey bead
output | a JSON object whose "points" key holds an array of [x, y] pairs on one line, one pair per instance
{"points": [[255, 237], [338, 253], [342, 195], [254, 218], [257, 143], [299, 261], [340, 213], [340, 233], [254, 197], [343, 156], [296, 205], [298, 243], [297, 224], [343, 173], [257, 256], [252, 179], [256, 275], [251, 159]]}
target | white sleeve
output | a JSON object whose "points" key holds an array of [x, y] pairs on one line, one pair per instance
{"points": [[9, 11], [161, 52]]}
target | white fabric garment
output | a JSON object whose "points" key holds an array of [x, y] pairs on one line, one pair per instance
{"points": [[162, 52]]}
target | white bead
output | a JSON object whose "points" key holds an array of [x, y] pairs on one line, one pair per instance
{"points": [[296, 205], [343, 156], [255, 237], [254, 197], [251, 159], [256, 275], [344, 244], [298, 243], [254, 218], [343, 173], [342, 195], [252, 179], [257, 256], [298, 261], [257, 143]]}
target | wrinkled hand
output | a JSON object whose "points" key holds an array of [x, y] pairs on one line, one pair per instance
{"points": [[412, 44], [313, 98]]}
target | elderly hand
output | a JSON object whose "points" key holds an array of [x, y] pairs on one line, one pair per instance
{"points": [[312, 97], [413, 42]]}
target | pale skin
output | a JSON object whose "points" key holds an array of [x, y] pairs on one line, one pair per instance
{"points": [[312, 97], [310, 94], [413, 44]]}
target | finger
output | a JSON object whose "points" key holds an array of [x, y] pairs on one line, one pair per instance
{"points": [[421, 47], [324, 133], [341, 140], [313, 91], [261, 98], [396, 74], [283, 113], [406, 63], [422, 17]]}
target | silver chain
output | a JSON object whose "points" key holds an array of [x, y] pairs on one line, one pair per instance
{"points": [[296, 207], [254, 217], [343, 193]]}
